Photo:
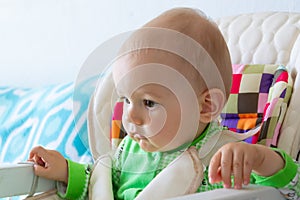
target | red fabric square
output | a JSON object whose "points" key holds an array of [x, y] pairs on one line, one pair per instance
{"points": [[283, 77], [118, 111], [236, 81]]}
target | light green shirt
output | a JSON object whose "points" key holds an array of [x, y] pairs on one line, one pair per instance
{"points": [[133, 169]]}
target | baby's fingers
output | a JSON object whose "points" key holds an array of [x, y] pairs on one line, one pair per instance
{"points": [[38, 152], [248, 165], [38, 160], [220, 167], [38, 155], [226, 167], [238, 171], [214, 170], [42, 171]]}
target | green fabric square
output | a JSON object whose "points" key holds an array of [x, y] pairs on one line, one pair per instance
{"points": [[270, 69], [253, 69], [276, 109], [272, 126], [288, 93], [250, 83], [231, 105], [271, 91]]}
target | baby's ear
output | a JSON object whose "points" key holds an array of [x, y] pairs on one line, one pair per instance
{"points": [[211, 103]]}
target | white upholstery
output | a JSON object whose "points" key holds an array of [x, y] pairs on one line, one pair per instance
{"points": [[270, 38]]}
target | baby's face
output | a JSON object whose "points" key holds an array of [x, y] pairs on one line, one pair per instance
{"points": [[151, 116], [151, 113]]}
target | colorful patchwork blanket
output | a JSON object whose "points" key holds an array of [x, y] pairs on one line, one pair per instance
{"points": [[259, 97]]}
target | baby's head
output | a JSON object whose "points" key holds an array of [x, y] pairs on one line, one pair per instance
{"points": [[175, 76]]}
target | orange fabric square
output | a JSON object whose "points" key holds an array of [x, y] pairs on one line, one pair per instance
{"points": [[247, 121], [115, 128]]}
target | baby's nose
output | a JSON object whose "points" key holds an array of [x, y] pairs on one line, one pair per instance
{"points": [[135, 116]]}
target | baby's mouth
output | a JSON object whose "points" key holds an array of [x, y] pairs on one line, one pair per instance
{"points": [[137, 137]]}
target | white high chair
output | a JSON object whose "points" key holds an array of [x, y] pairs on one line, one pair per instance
{"points": [[258, 38], [265, 38]]}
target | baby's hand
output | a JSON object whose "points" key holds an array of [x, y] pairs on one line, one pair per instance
{"points": [[49, 164], [237, 159]]}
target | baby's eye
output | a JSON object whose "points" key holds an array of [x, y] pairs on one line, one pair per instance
{"points": [[149, 103], [126, 100]]}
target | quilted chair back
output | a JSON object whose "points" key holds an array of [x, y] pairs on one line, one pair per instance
{"points": [[270, 38]]}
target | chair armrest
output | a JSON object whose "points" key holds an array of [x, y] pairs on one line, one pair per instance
{"points": [[247, 193], [18, 179]]}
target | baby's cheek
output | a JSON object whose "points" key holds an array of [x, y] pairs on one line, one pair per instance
{"points": [[157, 121], [165, 136]]}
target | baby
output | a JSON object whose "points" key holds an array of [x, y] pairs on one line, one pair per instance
{"points": [[174, 77]]}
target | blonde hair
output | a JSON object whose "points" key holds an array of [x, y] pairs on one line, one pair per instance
{"points": [[195, 24], [189, 34]]}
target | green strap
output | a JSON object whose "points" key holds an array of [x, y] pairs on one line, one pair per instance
{"points": [[283, 176], [78, 179]]}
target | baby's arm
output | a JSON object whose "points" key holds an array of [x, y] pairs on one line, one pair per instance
{"points": [[50, 164], [72, 177], [239, 159]]}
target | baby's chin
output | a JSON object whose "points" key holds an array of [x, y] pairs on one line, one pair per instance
{"points": [[145, 144], [149, 147]]}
